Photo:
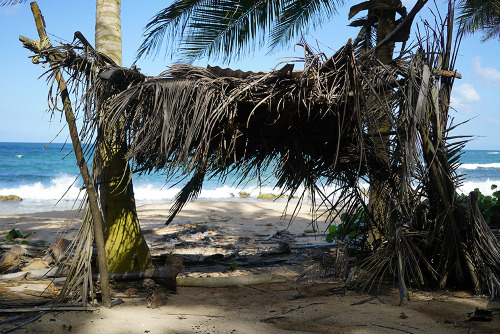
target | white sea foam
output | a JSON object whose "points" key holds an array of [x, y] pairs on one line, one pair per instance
{"points": [[483, 186], [62, 185], [60, 194], [39, 197], [19, 156], [225, 192], [493, 153], [65, 188], [476, 166], [148, 193]]}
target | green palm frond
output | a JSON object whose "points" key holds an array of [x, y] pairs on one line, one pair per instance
{"points": [[480, 15], [298, 15], [11, 2], [227, 29], [492, 31], [171, 21], [203, 27]]}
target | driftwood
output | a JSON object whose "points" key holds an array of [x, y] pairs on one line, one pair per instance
{"points": [[225, 281], [24, 323], [164, 276], [12, 258], [28, 248], [47, 308], [167, 277], [51, 272], [34, 288]]}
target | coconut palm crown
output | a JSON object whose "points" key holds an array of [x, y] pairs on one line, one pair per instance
{"points": [[226, 29], [480, 15]]}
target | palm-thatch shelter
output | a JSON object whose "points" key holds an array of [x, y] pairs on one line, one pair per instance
{"points": [[317, 128]]}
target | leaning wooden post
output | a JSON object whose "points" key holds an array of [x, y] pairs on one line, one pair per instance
{"points": [[80, 158]]}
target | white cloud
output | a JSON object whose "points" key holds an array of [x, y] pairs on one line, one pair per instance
{"points": [[463, 97], [466, 93], [488, 75]]}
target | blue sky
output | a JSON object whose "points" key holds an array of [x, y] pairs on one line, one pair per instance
{"points": [[23, 96]]}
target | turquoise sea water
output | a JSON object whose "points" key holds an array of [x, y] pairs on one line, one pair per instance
{"points": [[41, 176], [44, 176]]}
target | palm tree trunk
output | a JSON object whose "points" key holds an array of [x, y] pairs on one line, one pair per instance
{"points": [[126, 247], [108, 29], [379, 197]]}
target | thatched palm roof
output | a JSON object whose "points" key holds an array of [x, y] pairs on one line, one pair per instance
{"points": [[310, 125], [314, 128]]}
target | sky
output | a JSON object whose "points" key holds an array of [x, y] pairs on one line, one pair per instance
{"points": [[23, 95]]}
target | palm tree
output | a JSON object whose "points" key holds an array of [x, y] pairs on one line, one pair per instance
{"points": [[126, 248], [480, 15]]}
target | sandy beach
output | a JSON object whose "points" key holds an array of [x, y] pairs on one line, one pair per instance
{"points": [[246, 233]]}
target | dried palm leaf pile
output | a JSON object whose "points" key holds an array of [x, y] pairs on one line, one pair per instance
{"points": [[321, 130]]}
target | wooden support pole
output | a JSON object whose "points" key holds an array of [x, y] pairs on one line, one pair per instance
{"points": [[82, 164], [46, 309]]}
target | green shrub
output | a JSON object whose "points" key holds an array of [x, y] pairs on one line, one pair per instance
{"points": [[10, 198], [352, 227], [244, 194], [14, 235], [269, 197], [489, 206]]}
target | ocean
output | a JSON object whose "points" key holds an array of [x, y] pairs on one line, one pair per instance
{"points": [[46, 179]]}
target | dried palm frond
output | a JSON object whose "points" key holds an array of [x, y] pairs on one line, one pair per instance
{"points": [[317, 132], [307, 126]]}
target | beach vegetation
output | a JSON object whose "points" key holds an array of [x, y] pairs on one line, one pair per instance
{"points": [[489, 206], [10, 198], [269, 197], [17, 236], [352, 227], [244, 194]]}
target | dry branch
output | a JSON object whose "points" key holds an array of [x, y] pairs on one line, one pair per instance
{"points": [[44, 43], [47, 309], [225, 281]]}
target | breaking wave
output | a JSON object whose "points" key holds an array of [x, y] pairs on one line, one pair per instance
{"points": [[476, 166]]}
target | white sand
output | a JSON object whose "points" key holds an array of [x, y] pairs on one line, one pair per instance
{"points": [[266, 308]]}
